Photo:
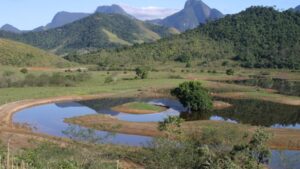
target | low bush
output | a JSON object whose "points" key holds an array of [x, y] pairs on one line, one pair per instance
{"points": [[31, 80], [230, 72]]}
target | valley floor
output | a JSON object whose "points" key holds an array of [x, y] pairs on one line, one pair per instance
{"points": [[157, 85]]}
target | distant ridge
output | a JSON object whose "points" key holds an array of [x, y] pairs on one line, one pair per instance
{"points": [[297, 8], [63, 18], [97, 31], [10, 28], [195, 12]]}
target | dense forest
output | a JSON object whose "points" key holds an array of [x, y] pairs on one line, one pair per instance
{"points": [[94, 32], [263, 37], [259, 37]]}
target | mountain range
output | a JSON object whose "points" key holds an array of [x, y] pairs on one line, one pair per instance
{"points": [[259, 37], [63, 18], [93, 32], [195, 12]]}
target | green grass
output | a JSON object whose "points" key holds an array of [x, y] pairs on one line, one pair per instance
{"points": [[126, 83], [19, 54], [143, 106]]}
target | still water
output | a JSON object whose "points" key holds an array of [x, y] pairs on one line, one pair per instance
{"points": [[49, 119]]}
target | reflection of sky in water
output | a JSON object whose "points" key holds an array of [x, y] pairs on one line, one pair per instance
{"points": [[218, 118], [50, 119], [285, 160]]}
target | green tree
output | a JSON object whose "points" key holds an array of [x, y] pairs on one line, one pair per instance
{"points": [[193, 96], [141, 72]]}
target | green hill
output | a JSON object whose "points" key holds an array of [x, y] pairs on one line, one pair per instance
{"points": [[259, 37], [19, 54], [93, 32], [263, 37], [184, 48]]}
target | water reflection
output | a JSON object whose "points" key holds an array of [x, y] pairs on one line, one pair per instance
{"points": [[259, 113], [285, 159]]}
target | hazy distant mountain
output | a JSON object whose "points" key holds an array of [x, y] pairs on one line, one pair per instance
{"points": [[113, 9], [10, 28], [93, 32], [194, 13], [297, 8], [63, 18]]}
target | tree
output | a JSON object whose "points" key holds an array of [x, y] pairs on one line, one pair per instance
{"points": [[141, 73], [193, 96]]}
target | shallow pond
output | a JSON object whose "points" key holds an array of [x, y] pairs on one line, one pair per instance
{"points": [[49, 119]]}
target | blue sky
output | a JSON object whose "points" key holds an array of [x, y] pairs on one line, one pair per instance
{"points": [[28, 14]]}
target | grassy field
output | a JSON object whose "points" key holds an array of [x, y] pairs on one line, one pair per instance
{"points": [[19, 54], [125, 82]]}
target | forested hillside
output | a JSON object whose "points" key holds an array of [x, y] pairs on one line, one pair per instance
{"points": [[93, 32], [259, 37], [185, 48], [263, 37]]}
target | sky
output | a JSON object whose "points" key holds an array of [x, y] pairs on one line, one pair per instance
{"points": [[29, 14]]}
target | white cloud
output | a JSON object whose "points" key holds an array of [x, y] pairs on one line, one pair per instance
{"points": [[149, 13]]}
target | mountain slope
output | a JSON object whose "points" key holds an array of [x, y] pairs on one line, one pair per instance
{"points": [[194, 13], [19, 54], [188, 47], [93, 32], [10, 28], [263, 37], [259, 37]]}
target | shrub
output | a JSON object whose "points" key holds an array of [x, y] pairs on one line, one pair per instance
{"points": [[171, 120], [24, 70], [193, 96], [175, 77], [230, 72], [109, 79], [141, 73], [225, 63], [188, 65]]}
